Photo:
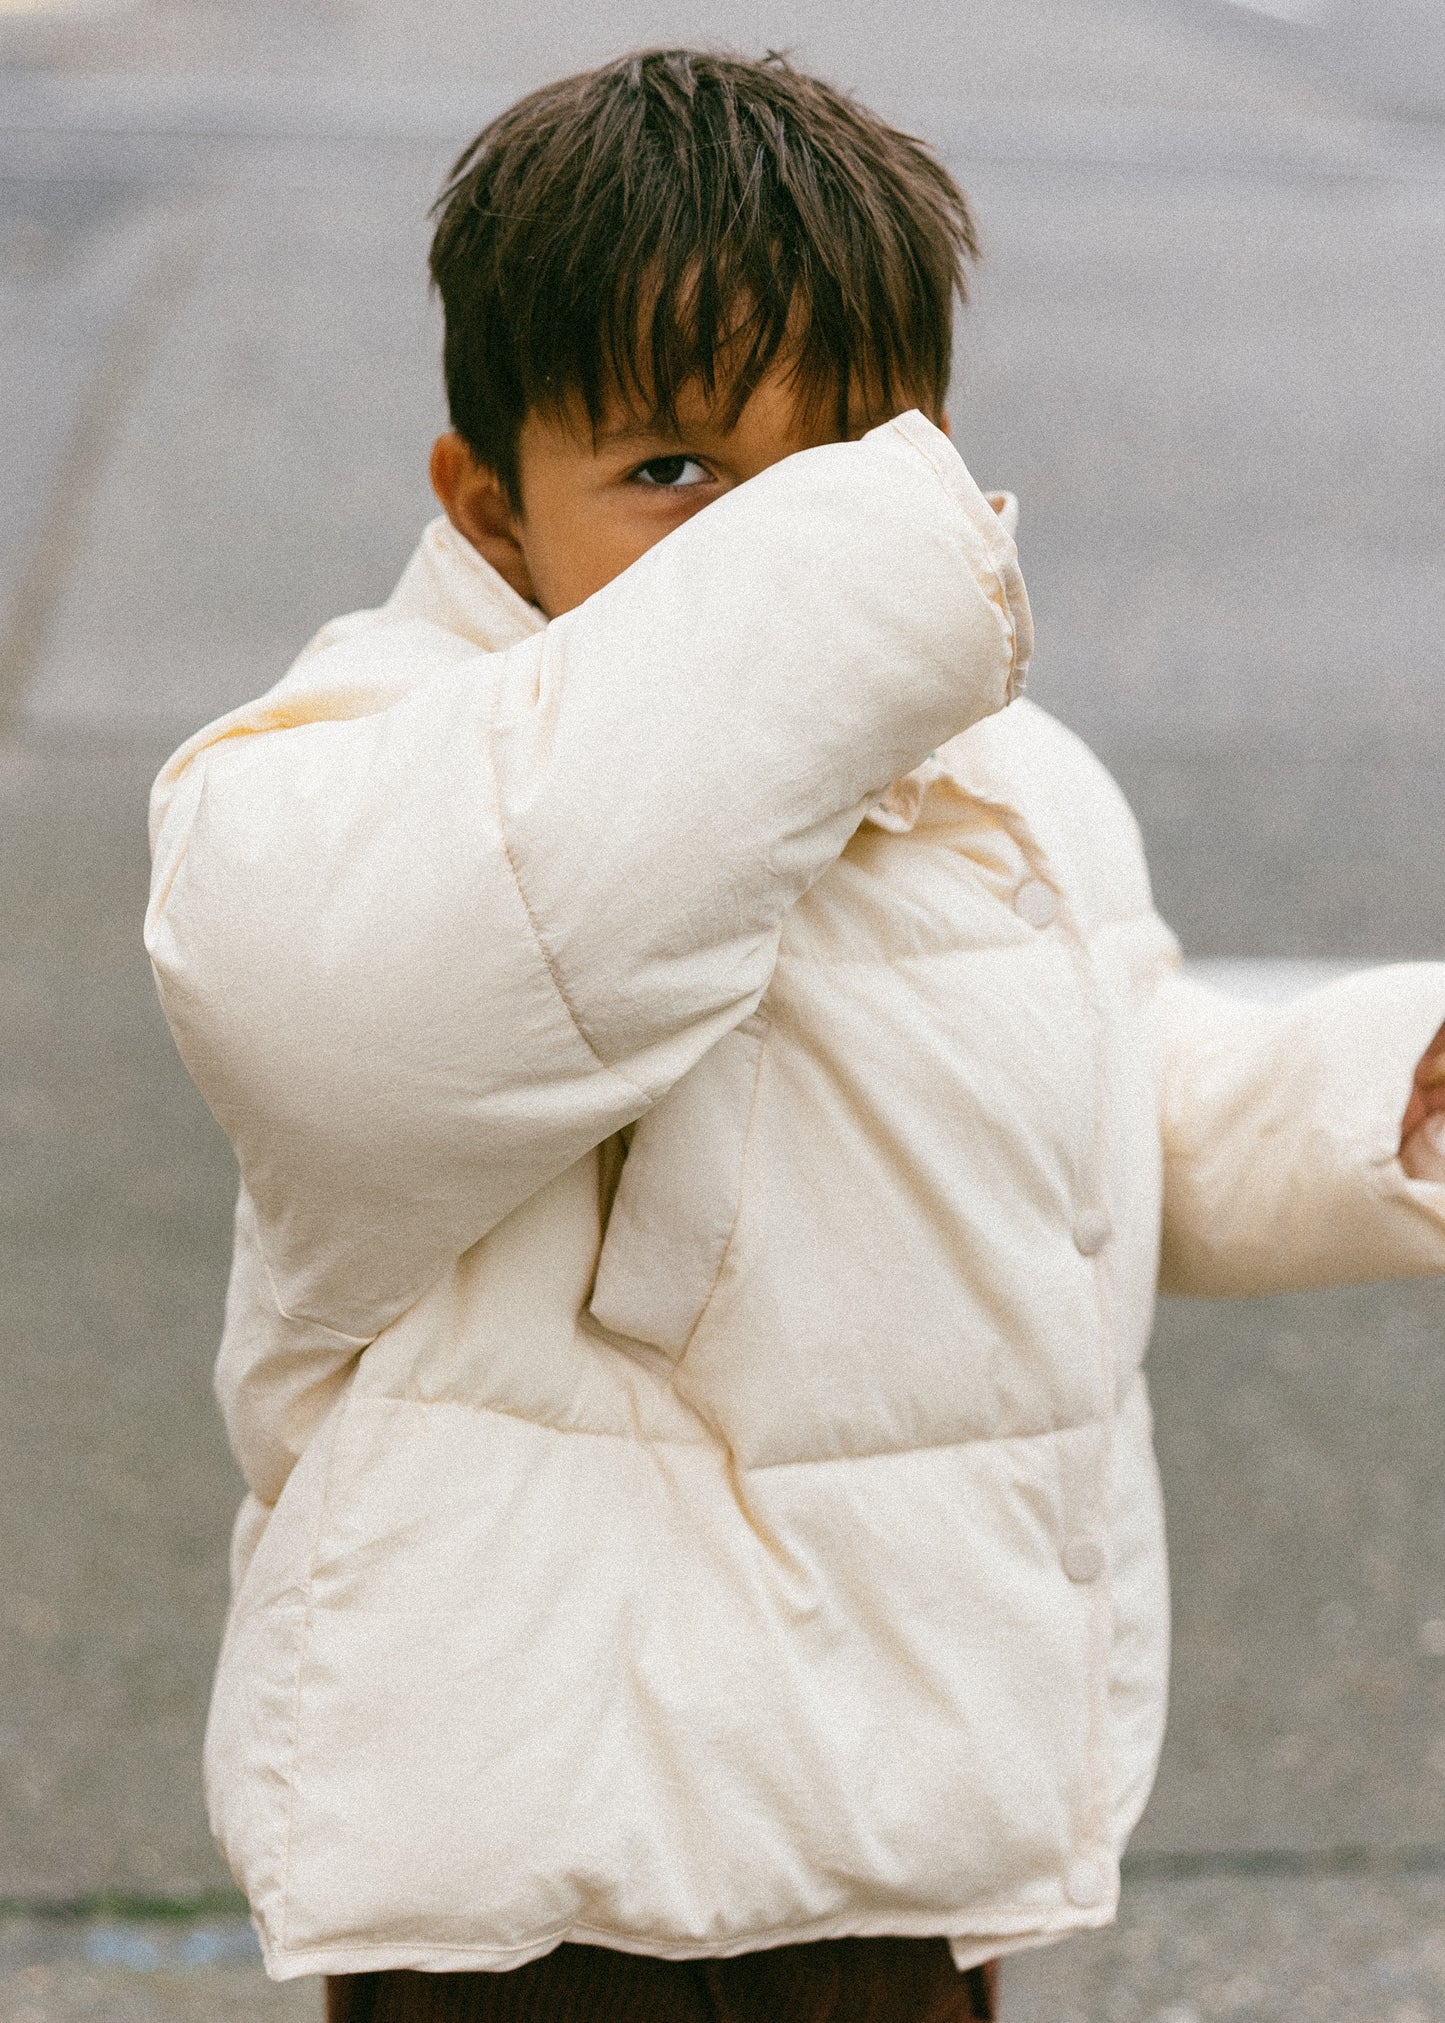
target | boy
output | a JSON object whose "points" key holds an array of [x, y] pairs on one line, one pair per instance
{"points": [[712, 1096]]}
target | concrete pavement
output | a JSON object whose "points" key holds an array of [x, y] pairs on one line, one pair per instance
{"points": [[1204, 353]]}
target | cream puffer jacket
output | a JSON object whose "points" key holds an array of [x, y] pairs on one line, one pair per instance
{"points": [[701, 1213]]}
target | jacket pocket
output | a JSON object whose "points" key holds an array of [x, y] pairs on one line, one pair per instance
{"points": [[677, 1200]]}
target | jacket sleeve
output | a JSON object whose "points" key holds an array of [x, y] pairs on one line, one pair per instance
{"points": [[424, 942], [1281, 1127]]}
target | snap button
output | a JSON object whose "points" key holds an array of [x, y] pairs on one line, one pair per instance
{"points": [[1087, 1882], [1092, 1231], [1083, 1558], [1035, 904]]}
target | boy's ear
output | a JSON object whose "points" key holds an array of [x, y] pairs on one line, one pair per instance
{"points": [[475, 501]]}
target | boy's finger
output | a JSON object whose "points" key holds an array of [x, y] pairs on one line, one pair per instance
{"points": [[1432, 1064], [1427, 1097], [1423, 1152]]}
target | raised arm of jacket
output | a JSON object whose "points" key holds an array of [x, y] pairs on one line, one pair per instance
{"points": [[1282, 1135], [429, 923]]}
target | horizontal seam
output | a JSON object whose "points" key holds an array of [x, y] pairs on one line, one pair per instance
{"points": [[884, 963], [1084, 937], [1359, 1157], [527, 1419], [745, 1467], [928, 1446]]}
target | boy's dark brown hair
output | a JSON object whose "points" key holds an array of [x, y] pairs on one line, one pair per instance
{"points": [[678, 216]]}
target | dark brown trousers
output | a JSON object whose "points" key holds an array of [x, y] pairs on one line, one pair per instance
{"points": [[827, 1981]]}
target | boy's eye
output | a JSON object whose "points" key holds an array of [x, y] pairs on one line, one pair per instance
{"points": [[671, 473]]}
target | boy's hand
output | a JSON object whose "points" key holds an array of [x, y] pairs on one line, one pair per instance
{"points": [[1422, 1133]]}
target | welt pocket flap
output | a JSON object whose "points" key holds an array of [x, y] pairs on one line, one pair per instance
{"points": [[677, 1200]]}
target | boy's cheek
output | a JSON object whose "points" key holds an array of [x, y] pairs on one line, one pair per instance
{"points": [[569, 562]]}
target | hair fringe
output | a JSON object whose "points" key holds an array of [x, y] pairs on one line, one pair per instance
{"points": [[679, 217]]}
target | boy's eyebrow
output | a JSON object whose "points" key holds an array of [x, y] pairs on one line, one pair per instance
{"points": [[637, 431], [653, 427]]}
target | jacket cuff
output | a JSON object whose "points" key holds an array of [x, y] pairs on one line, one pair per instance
{"points": [[1282, 1137], [995, 556]]}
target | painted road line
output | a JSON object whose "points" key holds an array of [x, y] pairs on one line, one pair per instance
{"points": [[1270, 982]]}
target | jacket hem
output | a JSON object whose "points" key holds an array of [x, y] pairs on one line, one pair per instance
{"points": [[1008, 1932]]}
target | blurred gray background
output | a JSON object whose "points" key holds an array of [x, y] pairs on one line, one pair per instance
{"points": [[1206, 351]]}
